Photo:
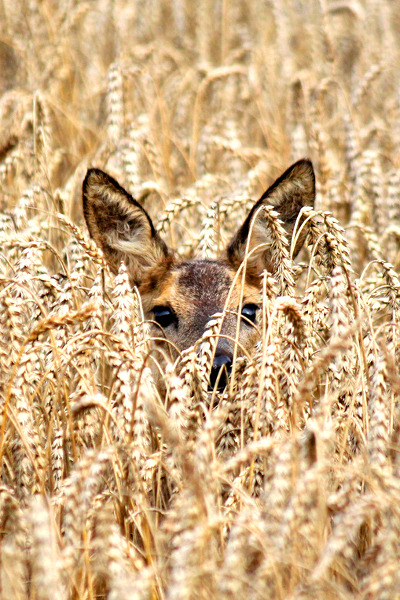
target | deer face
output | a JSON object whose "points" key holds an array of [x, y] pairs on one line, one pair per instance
{"points": [[180, 297]]}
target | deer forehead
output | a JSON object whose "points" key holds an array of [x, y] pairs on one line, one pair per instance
{"points": [[203, 285]]}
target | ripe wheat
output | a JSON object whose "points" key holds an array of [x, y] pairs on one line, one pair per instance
{"points": [[122, 475]]}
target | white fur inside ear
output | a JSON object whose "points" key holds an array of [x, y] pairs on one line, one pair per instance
{"points": [[260, 234], [139, 252], [135, 245]]}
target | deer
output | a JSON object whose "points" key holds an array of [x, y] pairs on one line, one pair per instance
{"points": [[179, 297]]}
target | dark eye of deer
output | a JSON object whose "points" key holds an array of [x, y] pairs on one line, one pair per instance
{"points": [[249, 312], [164, 316]]}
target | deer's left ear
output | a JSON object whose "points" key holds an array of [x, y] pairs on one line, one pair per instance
{"points": [[123, 230], [290, 192]]}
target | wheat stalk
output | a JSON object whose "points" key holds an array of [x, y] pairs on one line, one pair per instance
{"points": [[122, 475]]}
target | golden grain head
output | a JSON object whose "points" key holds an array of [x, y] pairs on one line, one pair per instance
{"points": [[122, 475]]}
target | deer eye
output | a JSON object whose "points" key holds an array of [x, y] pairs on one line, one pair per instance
{"points": [[249, 312], [164, 316]]}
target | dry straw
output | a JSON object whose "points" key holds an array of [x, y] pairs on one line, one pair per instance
{"points": [[122, 475]]}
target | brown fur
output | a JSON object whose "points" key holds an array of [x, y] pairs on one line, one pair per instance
{"points": [[121, 227], [197, 289], [294, 189]]}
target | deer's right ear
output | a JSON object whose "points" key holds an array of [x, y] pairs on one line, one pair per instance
{"points": [[288, 195], [122, 228]]}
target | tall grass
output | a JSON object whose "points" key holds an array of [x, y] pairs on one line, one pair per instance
{"points": [[289, 486]]}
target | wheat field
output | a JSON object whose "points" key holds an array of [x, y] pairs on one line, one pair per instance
{"points": [[287, 486]]}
